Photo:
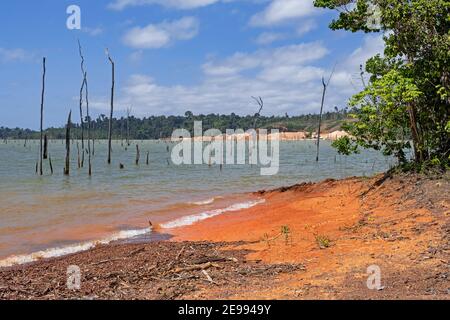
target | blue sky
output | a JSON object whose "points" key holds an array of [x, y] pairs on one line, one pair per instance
{"points": [[206, 56]]}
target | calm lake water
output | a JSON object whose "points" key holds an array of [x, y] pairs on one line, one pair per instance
{"points": [[54, 214]]}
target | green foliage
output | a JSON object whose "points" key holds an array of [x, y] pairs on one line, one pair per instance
{"points": [[323, 241], [408, 94], [345, 146]]}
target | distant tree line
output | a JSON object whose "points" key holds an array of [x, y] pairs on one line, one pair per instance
{"points": [[158, 127]]}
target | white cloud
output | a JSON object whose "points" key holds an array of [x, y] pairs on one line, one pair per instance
{"points": [[266, 59], [177, 4], [163, 34], [350, 68], [10, 55], [288, 78], [282, 11], [285, 77], [266, 38], [93, 31], [305, 27]]}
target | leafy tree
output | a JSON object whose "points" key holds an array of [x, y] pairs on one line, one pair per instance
{"points": [[408, 95]]}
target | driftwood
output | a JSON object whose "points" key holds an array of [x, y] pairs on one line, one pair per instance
{"points": [[112, 105], [195, 268], [42, 116], [67, 166]]}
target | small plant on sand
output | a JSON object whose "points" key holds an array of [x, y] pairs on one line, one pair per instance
{"points": [[286, 232], [323, 241]]}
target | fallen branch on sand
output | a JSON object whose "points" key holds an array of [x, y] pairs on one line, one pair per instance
{"points": [[195, 268]]}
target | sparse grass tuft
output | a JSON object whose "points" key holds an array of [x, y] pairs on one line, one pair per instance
{"points": [[323, 241]]}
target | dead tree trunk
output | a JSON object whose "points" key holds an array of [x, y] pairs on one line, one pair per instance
{"points": [[89, 123], [112, 106], [42, 116], [45, 156], [260, 102], [78, 151], [325, 87], [128, 126], [67, 166], [138, 154], [50, 163], [81, 101]]}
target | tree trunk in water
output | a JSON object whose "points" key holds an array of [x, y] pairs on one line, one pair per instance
{"points": [[45, 156], [112, 109], [50, 163], [67, 166], [138, 155], [89, 124], [42, 117], [78, 151]]}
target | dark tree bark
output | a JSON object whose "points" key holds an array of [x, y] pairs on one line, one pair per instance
{"points": [[45, 156], [67, 166], [42, 116], [50, 163], [81, 100], [112, 107], [325, 87], [260, 102], [89, 123], [138, 154], [128, 126]]}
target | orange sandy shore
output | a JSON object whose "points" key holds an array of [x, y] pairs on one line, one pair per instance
{"points": [[402, 226], [332, 232]]}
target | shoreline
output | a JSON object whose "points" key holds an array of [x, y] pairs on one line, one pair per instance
{"points": [[313, 240]]}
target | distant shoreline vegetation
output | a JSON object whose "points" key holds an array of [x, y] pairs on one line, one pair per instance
{"points": [[160, 127]]}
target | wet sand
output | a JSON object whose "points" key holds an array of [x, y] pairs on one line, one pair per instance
{"points": [[309, 241]]}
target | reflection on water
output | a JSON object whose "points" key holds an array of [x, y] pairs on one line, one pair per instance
{"points": [[38, 211]]}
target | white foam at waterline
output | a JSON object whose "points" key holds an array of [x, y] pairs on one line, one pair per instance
{"points": [[205, 202], [58, 252], [189, 220]]}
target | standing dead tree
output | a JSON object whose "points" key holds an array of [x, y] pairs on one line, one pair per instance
{"points": [[138, 155], [260, 103], [83, 83], [128, 125], [85, 86], [112, 105], [324, 92], [89, 124], [45, 156], [67, 166], [42, 116]]}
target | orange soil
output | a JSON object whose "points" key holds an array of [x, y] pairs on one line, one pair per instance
{"points": [[386, 228]]}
